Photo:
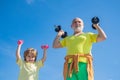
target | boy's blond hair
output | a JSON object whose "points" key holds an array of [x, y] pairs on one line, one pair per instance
{"points": [[30, 50]]}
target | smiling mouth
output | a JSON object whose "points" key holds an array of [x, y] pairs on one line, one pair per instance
{"points": [[31, 60]]}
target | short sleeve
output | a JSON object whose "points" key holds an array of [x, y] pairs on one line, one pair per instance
{"points": [[39, 63], [93, 37], [19, 62], [63, 42]]}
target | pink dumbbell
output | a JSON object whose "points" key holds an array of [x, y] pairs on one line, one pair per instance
{"points": [[45, 46], [20, 42]]}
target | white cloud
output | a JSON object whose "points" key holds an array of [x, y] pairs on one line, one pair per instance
{"points": [[30, 1], [7, 49], [34, 1], [110, 79]]}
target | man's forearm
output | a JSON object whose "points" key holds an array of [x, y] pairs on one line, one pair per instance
{"points": [[56, 42], [101, 34]]}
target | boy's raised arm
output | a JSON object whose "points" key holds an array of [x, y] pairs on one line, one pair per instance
{"points": [[18, 52], [44, 55], [20, 42]]}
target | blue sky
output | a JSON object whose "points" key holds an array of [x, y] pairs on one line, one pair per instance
{"points": [[34, 20]]}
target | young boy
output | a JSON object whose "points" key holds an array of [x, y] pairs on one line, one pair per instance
{"points": [[29, 67]]}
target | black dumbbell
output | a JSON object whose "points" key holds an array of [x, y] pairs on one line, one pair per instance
{"points": [[58, 28], [95, 20]]}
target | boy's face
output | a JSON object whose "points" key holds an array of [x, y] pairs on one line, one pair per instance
{"points": [[30, 58]]}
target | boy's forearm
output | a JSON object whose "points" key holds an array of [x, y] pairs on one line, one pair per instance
{"points": [[44, 55], [18, 52]]}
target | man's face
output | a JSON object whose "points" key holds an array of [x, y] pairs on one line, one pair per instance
{"points": [[77, 25]]}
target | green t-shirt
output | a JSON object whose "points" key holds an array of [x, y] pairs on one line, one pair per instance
{"points": [[81, 44], [29, 71]]}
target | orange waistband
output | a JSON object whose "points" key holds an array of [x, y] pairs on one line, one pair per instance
{"points": [[74, 65]]}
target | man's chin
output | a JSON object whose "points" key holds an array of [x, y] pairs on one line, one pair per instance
{"points": [[78, 30]]}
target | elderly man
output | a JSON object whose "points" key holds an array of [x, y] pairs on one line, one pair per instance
{"points": [[78, 64]]}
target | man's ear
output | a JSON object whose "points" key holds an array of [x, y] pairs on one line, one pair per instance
{"points": [[71, 25]]}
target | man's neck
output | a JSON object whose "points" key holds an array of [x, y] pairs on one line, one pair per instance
{"points": [[77, 33]]}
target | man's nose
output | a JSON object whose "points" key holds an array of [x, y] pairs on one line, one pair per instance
{"points": [[77, 22]]}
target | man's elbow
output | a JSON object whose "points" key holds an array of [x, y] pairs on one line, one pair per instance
{"points": [[99, 39], [54, 46], [57, 46], [102, 39], [105, 37]]}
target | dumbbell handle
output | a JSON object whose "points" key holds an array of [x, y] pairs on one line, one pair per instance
{"points": [[58, 28], [95, 20], [64, 35]]}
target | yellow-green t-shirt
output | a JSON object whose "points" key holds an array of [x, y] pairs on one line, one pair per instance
{"points": [[81, 44], [29, 71]]}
